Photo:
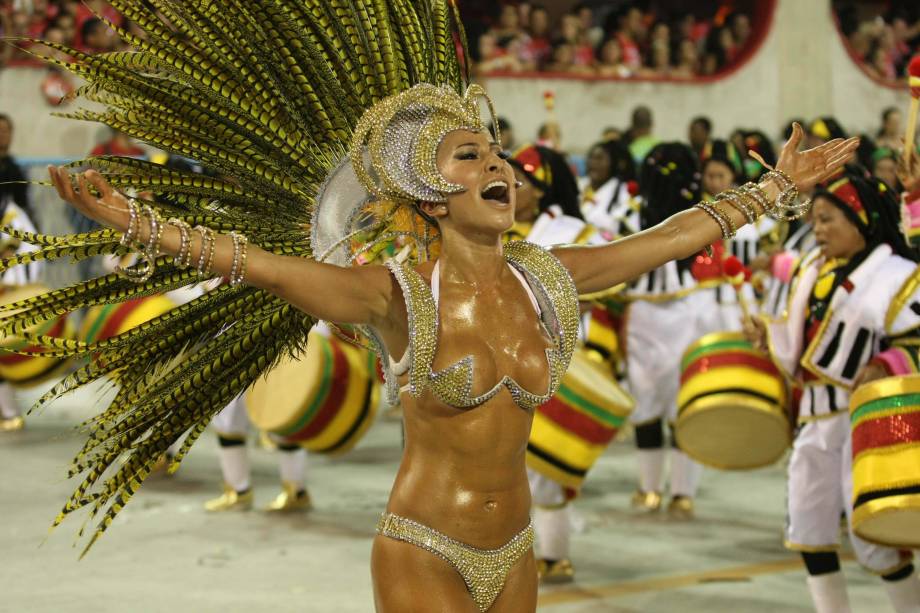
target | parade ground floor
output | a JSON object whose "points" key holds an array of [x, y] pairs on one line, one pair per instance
{"points": [[165, 554]]}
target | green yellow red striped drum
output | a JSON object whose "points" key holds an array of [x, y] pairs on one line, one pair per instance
{"points": [[108, 320], [731, 404], [324, 401], [885, 422], [574, 428], [29, 370]]}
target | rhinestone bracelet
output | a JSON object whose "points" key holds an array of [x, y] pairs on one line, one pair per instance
{"points": [[212, 245], [756, 192], [724, 221], [738, 201], [207, 238], [133, 225], [238, 268], [183, 259]]}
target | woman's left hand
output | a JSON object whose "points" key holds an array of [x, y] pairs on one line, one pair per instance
{"points": [[870, 372], [812, 166]]}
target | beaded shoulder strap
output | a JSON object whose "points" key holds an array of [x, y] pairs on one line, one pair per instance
{"points": [[555, 292]]}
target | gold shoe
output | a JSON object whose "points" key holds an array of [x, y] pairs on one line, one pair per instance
{"points": [[556, 571], [12, 424], [291, 498], [230, 500], [681, 507], [649, 502]]}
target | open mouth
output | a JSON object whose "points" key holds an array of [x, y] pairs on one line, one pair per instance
{"points": [[496, 191]]}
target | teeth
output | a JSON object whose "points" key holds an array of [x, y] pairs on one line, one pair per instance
{"points": [[495, 184]]}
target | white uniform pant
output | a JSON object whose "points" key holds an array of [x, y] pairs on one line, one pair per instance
{"points": [[820, 488], [9, 406]]}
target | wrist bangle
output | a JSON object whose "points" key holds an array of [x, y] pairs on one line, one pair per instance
{"points": [[183, 259], [238, 268], [719, 216], [738, 200], [207, 237]]}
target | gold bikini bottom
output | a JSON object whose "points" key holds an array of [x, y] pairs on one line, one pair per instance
{"points": [[483, 570]]}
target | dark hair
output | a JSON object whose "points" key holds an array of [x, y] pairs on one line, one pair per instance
{"points": [[562, 190], [885, 115], [725, 153], [642, 117], [702, 121], [7, 119], [884, 214], [758, 141], [622, 165], [669, 182]]}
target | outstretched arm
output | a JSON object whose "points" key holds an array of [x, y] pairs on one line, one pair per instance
{"points": [[599, 268], [344, 295]]}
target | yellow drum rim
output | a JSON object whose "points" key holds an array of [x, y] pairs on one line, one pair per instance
{"points": [[308, 369], [883, 388], [757, 405], [884, 506]]}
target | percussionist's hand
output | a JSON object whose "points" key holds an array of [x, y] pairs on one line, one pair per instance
{"points": [[756, 332], [109, 208], [812, 166], [870, 372], [909, 171]]}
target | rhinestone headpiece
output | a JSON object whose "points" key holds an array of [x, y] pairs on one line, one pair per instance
{"points": [[401, 135]]}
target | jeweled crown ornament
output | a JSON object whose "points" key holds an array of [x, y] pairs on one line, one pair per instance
{"points": [[401, 135]]}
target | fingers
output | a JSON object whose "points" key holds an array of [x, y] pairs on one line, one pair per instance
{"points": [[96, 180], [797, 135], [63, 184], [86, 196]]}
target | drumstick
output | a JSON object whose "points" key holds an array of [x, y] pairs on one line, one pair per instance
{"points": [[913, 81]]}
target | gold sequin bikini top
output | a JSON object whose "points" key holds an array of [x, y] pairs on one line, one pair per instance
{"points": [[549, 284]]}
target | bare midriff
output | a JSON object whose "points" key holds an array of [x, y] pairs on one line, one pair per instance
{"points": [[462, 471]]}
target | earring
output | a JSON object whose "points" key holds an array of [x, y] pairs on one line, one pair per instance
{"points": [[519, 184]]}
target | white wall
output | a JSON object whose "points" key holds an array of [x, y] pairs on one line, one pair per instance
{"points": [[802, 69]]}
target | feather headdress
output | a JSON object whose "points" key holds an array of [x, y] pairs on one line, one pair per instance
{"points": [[267, 95]]}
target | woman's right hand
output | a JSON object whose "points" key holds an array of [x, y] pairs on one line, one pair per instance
{"points": [[109, 208], [756, 332]]}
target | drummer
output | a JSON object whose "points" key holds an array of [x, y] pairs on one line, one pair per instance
{"points": [[11, 215], [232, 426], [547, 213], [852, 318], [664, 314]]}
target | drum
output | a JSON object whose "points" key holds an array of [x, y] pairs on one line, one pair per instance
{"points": [[885, 421], [731, 404], [28, 370], [108, 320], [601, 337], [574, 428], [325, 401]]}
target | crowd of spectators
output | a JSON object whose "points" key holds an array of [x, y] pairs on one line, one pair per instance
{"points": [[884, 35], [73, 23], [614, 41]]}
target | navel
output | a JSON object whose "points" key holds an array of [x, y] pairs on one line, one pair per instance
{"points": [[490, 505]]}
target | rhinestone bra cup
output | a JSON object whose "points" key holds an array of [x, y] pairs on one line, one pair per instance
{"points": [[558, 301]]}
